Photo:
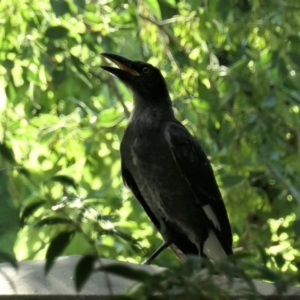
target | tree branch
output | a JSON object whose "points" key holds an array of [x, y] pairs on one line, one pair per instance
{"points": [[113, 85], [295, 194], [167, 31]]}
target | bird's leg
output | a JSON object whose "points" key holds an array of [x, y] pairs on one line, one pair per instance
{"points": [[201, 255], [156, 253]]}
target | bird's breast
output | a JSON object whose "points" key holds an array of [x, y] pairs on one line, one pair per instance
{"points": [[150, 161], [151, 153]]}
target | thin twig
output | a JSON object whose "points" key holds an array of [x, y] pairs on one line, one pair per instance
{"points": [[92, 243], [119, 96], [113, 85], [295, 194], [264, 245], [169, 34], [166, 21], [166, 30]]}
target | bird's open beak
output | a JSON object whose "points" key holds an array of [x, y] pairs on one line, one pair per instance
{"points": [[124, 64]]}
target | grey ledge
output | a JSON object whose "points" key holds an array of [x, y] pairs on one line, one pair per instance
{"points": [[29, 282]]}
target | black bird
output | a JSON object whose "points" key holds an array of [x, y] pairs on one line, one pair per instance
{"points": [[167, 170]]}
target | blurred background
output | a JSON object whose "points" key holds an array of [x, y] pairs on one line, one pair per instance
{"points": [[233, 70]]}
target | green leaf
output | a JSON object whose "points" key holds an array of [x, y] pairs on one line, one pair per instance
{"points": [[8, 64], [24, 171], [246, 85], [293, 95], [30, 209], [56, 32], [52, 49], [92, 18], [78, 65], [7, 153], [57, 246], [65, 180], [294, 39], [45, 119], [91, 7], [279, 259], [59, 74], [192, 116], [110, 117], [295, 58], [223, 8], [53, 221], [6, 257], [48, 137], [153, 4], [168, 8], [281, 179], [84, 269], [231, 180], [126, 271], [80, 3], [267, 273], [282, 68], [228, 97], [270, 101], [60, 7]]}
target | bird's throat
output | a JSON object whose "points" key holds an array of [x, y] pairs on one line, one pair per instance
{"points": [[151, 113]]}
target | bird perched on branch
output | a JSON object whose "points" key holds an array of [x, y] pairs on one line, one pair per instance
{"points": [[167, 170]]}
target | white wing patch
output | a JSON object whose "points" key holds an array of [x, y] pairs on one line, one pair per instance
{"points": [[212, 247], [211, 215]]}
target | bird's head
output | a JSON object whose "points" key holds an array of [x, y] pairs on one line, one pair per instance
{"points": [[145, 81]]}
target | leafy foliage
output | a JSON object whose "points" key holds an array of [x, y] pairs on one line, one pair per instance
{"points": [[188, 282], [233, 73], [56, 247], [83, 270]]}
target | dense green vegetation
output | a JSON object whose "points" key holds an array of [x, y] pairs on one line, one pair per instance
{"points": [[232, 68]]}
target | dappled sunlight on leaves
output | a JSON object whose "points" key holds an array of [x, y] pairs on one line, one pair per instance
{"points": [[233, 74]]}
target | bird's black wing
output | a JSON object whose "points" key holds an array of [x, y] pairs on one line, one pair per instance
{"points": [[181, 246], [131, 184], [197, 171]]}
